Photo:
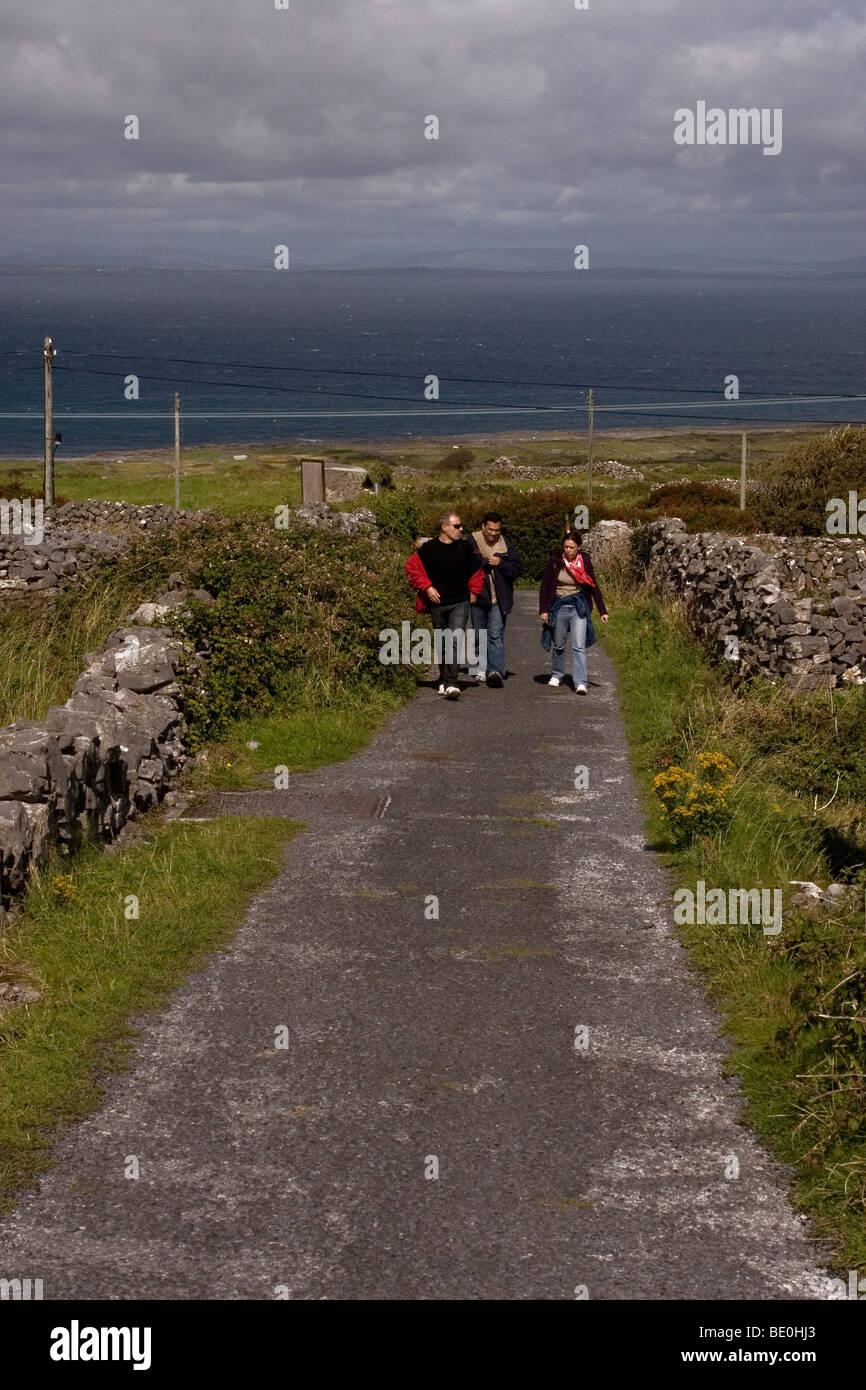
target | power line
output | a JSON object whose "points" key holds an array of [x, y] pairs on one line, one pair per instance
{"points": [[240, 385], [626, 408], [129, 358], [392, 376], [655, 409], [629, 407], [696, 405]]}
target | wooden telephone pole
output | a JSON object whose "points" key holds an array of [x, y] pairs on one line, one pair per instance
{"points": [[48, 482]]}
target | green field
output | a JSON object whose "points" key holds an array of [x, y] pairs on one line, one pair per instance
{"points": [[269, 476], [210, 478]]}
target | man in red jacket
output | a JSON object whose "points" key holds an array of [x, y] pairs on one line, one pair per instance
{"points": [[447, 576]]}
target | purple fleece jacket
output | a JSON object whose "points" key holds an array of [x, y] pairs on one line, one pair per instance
{"points": [[547, 592]]}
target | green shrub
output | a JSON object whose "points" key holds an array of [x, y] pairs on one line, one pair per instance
{"points": [[701, 506], [793, 491], [294, 610], [380, 472], [397, 517]]}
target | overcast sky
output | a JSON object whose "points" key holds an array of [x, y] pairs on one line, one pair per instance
{"points": [[261, 126]]}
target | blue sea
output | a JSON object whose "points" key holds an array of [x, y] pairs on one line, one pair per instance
{"points": [[311, 356]]}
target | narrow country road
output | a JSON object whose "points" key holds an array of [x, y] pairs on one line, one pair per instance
{"points": [[416, 1043]]}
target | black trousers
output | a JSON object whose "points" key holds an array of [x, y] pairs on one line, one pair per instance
{"points": [[451, 617]]}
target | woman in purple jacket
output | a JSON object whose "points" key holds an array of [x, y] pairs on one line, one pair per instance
{"points": [[568, 589]]}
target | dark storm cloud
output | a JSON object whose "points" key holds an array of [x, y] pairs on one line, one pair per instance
{"points": [[260, 126]]}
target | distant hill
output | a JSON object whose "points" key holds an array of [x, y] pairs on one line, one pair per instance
{"points": [[520, 260], [547, 259]]}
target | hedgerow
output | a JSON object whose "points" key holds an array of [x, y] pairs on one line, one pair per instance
{"points": [[793, 490], [293, 609]]}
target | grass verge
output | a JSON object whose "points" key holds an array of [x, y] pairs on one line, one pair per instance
{"points": [[95, 969], [300, 738], [791, 1005]]}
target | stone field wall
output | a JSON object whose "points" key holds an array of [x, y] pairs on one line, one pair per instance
{"points": [[107, 755], [77, 536], [112, 751], [795, 605]]}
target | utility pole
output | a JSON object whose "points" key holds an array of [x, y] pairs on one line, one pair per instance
{"points": [[589, 461], [743, 458], [48, 482], [176, 452]]}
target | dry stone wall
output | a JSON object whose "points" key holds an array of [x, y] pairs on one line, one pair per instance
{"points": [[789, 608], [76, 537], [112, 751], [107, 755]]}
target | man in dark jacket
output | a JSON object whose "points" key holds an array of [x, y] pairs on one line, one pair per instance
{"points": [[449, 562], [501, 565]]}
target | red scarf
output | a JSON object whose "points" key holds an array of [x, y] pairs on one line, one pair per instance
{"points": [[577, 571]]}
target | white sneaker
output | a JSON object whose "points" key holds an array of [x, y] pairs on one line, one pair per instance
{"points": [[480, 677], [555, 680], [452, 692], [441, 690], [580, 690]]}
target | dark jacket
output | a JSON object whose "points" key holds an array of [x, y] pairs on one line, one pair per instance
{"points": [[451, 581], [420, 581], [547, 592], [504, 575]]}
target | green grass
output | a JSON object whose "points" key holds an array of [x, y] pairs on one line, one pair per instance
{"points": [[300, 739], [43, 646], [210, 477], [268, 477], [95, 969], [802, 1083]]}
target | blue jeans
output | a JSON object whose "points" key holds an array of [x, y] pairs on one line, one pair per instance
{"points": [[570, 618], [491, 621]]}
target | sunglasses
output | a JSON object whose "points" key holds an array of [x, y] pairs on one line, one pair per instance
{"points": [[456, 525]]}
